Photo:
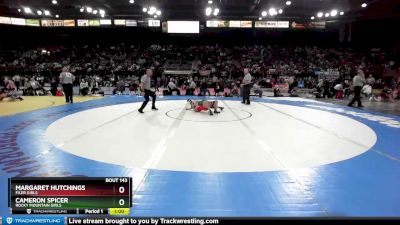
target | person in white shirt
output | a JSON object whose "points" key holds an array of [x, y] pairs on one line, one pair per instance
{"points": [[358, 83], [246, 85], [149, 90], [257, 90], [172, 87], [84, 87], [371, 80], [192, 87], [17, 81], [66, 79]]}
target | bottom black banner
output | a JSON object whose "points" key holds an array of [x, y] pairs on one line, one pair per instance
{"points": [[211, 221]]}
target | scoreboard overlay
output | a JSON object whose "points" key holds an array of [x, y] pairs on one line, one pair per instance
{"points": [[69, 195]]}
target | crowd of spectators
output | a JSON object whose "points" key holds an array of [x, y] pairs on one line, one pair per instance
{"points": [[325, 71]]}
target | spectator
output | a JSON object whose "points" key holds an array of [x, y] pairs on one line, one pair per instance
{"points": [[192, 87], [172, 87], [371, 80], [17, 81], [257, 90], [84, 87]]}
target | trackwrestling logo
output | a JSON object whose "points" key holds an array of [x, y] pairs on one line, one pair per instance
{"points": [[30, 220]]}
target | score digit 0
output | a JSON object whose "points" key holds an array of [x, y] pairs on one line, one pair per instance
{"points": [[121, 189]]}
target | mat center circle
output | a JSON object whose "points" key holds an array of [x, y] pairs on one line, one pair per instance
{"points": [[231, 116]]}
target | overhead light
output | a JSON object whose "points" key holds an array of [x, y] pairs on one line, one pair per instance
{"points": [[280, 11], [155, 16], [158, 12], [89, 9], [210, 2], [326, 14], [216, 11], [152, 10], [334, 12], [19, 10], [312, 18], [144, 9], [208, 11], [27, 10], [82, 9], [101, 11], [54, 2], [94, 12], [131, 1], [39, 12], [288, 2], [259, 18], [364, 5], [46, 12], [264, 13], [320, 14], [342, 13], [57, 16], [102, 15], [272, 11]]}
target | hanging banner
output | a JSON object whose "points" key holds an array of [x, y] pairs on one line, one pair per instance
{"points": [[218, 23], [311, 25], [18, 21], [52, 23], [318, 25], [5, 20], [83, 23], [154, 23], [272, 24], [69, 23], [94, 23], [246, 24], [233, 24], [119, 22], [131, 23], [105, 22], [33, 22]]}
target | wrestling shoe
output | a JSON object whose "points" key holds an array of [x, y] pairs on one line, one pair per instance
{"points": [[215, 111], [141, 111], [210, 112], [154, 108]]}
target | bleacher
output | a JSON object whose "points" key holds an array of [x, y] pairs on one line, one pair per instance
{"points": [[178, 67]]}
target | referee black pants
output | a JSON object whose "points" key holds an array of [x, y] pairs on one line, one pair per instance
{"points": [[357, 96], [246, 94], [147, 95], [68, 92]]}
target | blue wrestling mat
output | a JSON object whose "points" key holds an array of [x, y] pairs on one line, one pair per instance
{"points": [[367, 185]]}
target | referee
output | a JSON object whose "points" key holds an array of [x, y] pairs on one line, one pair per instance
{"points": [[358, 83], [246, 86], [146, 86], [66, 79]]}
